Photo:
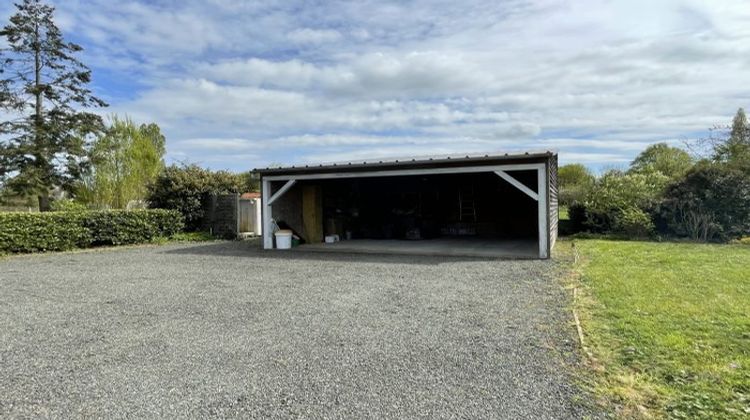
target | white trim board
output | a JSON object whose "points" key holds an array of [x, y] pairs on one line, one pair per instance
{"points": [[279, 193], [266, 215], [542, 212], [526, 190]]}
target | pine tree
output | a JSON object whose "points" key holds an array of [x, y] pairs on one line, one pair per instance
{"points": [[43, 89], [735, 150]]}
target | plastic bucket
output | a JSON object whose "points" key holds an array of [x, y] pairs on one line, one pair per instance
{"points": [[283, 239]]}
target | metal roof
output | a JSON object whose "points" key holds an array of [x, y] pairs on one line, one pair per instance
{"points": [[416, 162]]}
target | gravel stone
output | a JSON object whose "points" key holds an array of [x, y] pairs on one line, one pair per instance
{"points": [[224, 329]]}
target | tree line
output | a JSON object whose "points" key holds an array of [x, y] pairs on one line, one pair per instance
{"points": [[51, 140], [700, 192]]}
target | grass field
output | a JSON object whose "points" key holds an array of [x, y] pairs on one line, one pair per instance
{"points": [[668, 325]]}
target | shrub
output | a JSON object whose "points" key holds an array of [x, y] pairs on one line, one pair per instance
{"points": [[574, 181], [60, 231], [576, 220], [617, 195], [183, 188], [36, 232], [634, 222], [67, 204], [712, 202], [120, 227]]}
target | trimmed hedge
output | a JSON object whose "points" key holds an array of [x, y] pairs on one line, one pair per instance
{"points": [[34, 232], [60, 231]]}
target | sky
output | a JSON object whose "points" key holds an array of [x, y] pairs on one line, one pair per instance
{"points": [[242, 84]]}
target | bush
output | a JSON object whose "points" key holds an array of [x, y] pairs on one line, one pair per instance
{"points": [[36, 232], [618, 196], [573, 194], [120, 227], [183, 188], [634, 222], [67, 204], [576, 220], [574, 182], [712, 202], [60, 231]]}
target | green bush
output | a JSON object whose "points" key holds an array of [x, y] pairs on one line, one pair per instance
{"points": [[576, 220], [634, 222], [38, 232], [712, 202], [617, 195], [67, 204], [183, 188], [120, 227], [574, 182], [60, 231]]}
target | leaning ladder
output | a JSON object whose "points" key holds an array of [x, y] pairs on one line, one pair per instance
{"points": [[467, 209]]}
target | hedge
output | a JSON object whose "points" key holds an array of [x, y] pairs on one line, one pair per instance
{"points": [[60, 231]]}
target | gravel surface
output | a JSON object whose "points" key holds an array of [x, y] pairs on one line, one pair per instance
{"points": [[223, 329]]}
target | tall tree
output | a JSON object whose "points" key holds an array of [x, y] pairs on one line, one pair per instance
{"points": [[735, 148], [661, 157], [125, 160], [44, 91], [574, 180]]}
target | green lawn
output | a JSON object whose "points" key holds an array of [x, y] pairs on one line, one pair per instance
{"points": [[669, 326]]}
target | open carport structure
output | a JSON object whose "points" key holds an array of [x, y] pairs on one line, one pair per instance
{"points": [[500, 205]]}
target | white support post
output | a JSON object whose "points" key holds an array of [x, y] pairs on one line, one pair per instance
{"points": [[542, 213], [266, 201], [267, 230], [279, 193], [258, 216], [526, 190]]}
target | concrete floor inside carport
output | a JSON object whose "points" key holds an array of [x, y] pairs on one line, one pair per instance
{"points": [[456, 247]]}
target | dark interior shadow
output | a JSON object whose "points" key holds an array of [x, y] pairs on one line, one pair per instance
{"points": [[251, 249]]}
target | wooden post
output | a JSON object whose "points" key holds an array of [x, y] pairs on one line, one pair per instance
{"points": [[312, 213]]}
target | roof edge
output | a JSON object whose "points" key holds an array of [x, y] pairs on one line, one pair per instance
{"points": [[409, 161]]}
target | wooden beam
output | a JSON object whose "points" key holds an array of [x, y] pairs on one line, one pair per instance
{"points": [[279, 193], [312, 213], [526, 190]]}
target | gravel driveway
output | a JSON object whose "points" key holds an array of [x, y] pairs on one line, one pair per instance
{"points": [[222, 329]]}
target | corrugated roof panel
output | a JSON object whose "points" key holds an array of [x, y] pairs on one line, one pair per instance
{"points": [[409, 161]]}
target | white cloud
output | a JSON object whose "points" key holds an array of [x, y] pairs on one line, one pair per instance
{"points": [[313, 36], [284, 81]]}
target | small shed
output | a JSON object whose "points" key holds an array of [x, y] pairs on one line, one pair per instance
{"points": [[491, 205]]}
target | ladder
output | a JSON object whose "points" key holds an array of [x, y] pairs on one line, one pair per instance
{"points": [[467, 209]]}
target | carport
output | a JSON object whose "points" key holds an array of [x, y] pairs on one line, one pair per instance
{"points": [[500, 205]]}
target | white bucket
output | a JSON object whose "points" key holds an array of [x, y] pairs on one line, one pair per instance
{"points": [[283, 239]]}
